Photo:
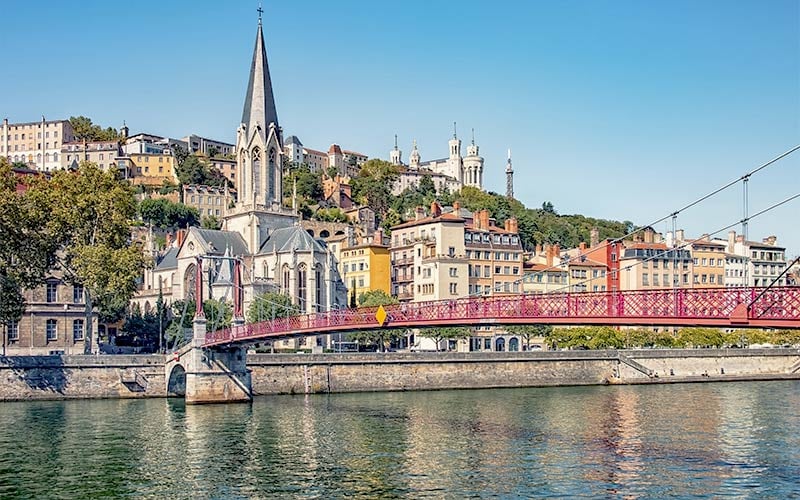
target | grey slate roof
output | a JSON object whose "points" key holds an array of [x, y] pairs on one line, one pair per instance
{"points": [[259, 103], [292, 139], [169, 260], [215, 242], [286, 239]]}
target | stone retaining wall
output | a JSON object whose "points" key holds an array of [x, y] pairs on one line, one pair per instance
{"points": [[136, 376]]}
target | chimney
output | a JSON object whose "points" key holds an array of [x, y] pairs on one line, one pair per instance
{"points": [[456, 207], [377, 238], [507, 225], [538, 250], [514, 225], [168, 244], [436, 209], [731, 240], [770, 240], [679, 236], [594, 237], [420, 213], [181, 235], [740, 238], [582, 246], [484, 219]]}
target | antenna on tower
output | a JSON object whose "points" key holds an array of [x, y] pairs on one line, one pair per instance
{"points": [[395, 141], [473, 136], [455, 135]]}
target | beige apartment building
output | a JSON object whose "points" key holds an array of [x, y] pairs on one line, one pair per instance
{"points": [[54, 322], [648, 266], [429, 258], [208, 200], [38, 144], [103, 153]]}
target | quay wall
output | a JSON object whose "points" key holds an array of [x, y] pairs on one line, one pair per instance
{"points": [[81, 377], [138, 376], [304, 373]]}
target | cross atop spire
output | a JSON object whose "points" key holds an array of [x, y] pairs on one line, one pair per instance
{"points": [[395, 141], [260, 11], [473, 136], [455, 135]]}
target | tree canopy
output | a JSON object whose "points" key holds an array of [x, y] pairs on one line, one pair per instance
{"points": [[195, 169], [373, 185], [271, 305], [84, 129], [166, 214]]}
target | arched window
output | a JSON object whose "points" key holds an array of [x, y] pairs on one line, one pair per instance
{"points": [[302, 287], [265, 270], [271, 175], [256, 163], [55, 156], [286, 280], [500, 344], [189, 280], [513, 344], [319, 285]]}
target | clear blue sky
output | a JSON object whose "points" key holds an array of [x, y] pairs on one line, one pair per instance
{"points": [[613, 109]]}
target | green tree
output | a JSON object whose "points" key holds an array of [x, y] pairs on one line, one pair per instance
{"points": [[195, 169], [89, 216], [426, 186], [271, 305], [373, 185], [213, 151], [166, 214], [85, 130], [334, 214], [26, 248], [375, 298], [701, 337], [211, 222]]}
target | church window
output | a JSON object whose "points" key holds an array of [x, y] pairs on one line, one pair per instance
{"points": [[286, 280], [271, 174], [302, 287], [319, 284], [256, 163]]}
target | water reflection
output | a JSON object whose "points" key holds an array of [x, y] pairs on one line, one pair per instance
{"points": [[628, 442]]}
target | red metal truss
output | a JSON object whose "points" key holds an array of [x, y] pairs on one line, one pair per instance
{"points": [[724, 307]]}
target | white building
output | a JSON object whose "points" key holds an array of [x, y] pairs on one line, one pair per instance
{"points": [[37, 144], [453, 172], [276, 252]]}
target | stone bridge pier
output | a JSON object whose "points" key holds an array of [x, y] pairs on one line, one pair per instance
{"points": [[209, 375]]}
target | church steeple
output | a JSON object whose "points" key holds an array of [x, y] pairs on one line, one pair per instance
{"points": [[259, 103]]}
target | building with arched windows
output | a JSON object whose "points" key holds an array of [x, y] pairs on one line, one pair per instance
{"points": [[277, 254]]}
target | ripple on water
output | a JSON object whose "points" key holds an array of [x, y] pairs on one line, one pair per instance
{"points": [[633, 442]]}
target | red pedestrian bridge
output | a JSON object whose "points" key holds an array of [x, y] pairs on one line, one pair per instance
{"points": [[776, 307]]}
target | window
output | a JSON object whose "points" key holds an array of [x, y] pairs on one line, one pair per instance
{"points": [[453, 272], [77, 294], [52, 292], [646, 279], [451, 252], [52, 329], [77, 329], [13, 331], [486, 271], [453, 288]]}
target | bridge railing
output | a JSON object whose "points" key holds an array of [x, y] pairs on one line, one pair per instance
{"points": [[681, 304]]}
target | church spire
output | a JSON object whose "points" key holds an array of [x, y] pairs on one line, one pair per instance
{"points": [[259, 103]]}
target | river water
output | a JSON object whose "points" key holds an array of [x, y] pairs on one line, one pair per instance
{"points": [[713, 439]]}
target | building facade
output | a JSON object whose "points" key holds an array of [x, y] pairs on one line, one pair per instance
{"points": [[37, 144]]}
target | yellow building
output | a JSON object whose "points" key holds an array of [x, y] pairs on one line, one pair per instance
{"points": [[708, 258], [365, 267], [151, 169]]}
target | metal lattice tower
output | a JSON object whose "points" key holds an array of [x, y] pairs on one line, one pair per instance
{"points": [[509, 178]]}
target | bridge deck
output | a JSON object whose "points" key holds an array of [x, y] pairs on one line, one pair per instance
{"points": [[720, 307]]}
